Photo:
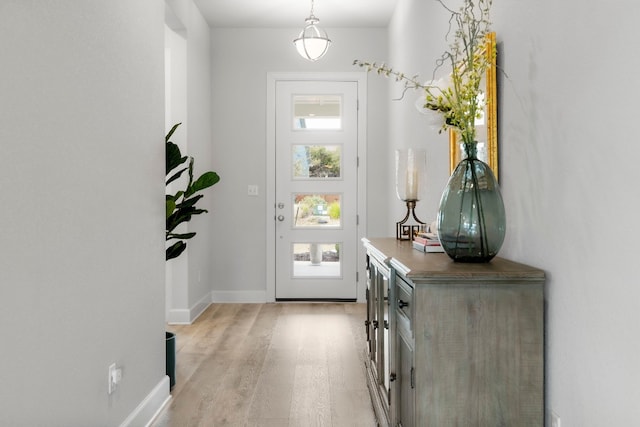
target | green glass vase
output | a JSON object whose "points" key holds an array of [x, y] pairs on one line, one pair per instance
{"points": [[471, 219]]}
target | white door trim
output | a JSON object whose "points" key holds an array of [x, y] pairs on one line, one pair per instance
{"points": [[272, 78]]}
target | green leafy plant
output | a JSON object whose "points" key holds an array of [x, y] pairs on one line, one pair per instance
{"points": [[334, 210], [309, 204], [181, 206], [323, 163]]}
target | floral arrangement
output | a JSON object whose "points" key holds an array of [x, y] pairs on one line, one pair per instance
{"points": [[454, 101]]}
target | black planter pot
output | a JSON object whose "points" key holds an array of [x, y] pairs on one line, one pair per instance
{"points": [[170, 341]]}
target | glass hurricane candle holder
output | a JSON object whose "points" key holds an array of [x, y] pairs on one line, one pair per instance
{"points": [[410, 181]]}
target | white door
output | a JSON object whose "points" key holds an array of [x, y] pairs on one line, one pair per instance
{"points": [[316, 190]]}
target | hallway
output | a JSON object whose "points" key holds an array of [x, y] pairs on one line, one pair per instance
{"points": [[282, 364]]}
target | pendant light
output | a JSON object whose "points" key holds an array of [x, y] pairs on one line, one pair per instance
{"points": [[313, 42]]}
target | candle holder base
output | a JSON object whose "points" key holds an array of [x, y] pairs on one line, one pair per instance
{"points": [[410, 225]]}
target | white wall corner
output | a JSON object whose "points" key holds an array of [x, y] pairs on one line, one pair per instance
{"points": [[151, 406], [173, 16], [188, 316]]}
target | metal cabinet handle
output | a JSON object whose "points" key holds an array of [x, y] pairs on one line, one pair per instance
{"points": [[280, 217], [402, 304], [392, 377]]}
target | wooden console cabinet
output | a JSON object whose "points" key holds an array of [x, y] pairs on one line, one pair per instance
{"points": [[453, 344]]}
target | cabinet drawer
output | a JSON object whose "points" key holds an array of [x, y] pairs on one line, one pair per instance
{"points": [[404, 298]]}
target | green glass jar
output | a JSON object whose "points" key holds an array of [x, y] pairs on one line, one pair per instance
{"points": [[471, 218]]}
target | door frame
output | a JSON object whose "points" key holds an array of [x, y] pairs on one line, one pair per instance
{"points": [[270, 185]]}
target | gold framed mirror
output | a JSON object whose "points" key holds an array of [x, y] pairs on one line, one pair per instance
{"points": [[487, 126]]}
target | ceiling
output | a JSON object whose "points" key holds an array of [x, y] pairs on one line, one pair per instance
{"points": [[292, 13]]}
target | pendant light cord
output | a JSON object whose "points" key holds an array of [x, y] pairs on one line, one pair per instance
{"points": [[311, 14]]}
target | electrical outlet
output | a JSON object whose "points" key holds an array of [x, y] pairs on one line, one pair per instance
{"points": [[555, 420], [252, 190], [115, 375]]}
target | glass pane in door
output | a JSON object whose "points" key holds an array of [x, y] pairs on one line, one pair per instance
{"points": [[316, 210], [317, 112], [316, 161], [316, 260]]}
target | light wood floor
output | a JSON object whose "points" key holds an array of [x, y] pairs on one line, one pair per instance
{"points": [[271, 365]]}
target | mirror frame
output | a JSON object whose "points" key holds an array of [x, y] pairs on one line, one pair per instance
{"points": [[491, 114]]}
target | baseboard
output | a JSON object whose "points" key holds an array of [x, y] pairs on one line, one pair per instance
{"points": [[188, 316], [239, 296], [150, 407], [200, 307], [179, 316]]}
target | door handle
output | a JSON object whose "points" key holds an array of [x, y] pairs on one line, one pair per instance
{"points": [[280, 217]]}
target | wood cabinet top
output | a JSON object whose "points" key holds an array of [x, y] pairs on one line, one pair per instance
{"points": [[431, 267]]}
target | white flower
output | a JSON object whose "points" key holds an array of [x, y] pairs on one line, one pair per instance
{"points": [[434, 118], [437, 89]]}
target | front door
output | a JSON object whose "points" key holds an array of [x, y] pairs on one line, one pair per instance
{"points": [[316, 158]]}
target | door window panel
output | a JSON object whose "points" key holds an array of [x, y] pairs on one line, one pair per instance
{"points": [[317, 112], [317, 210], [316, 260], [316, 161]]}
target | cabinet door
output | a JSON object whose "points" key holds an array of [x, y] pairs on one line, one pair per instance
{"points": [[381, 299], [405, 386], [384, 336], [370, 305], [380, 358], [372, 314]]}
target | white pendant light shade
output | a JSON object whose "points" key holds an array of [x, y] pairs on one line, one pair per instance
{"points": [[313, 42]]}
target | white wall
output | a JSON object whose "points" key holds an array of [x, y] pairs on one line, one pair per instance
{"points": [[81, 259], [414, 44], [568, 176], [190, 276], [241, 59]]}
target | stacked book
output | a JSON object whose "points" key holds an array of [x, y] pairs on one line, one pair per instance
{"points": [[427, 242]]}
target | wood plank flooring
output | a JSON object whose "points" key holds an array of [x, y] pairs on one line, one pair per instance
{"points": [[271, 365]]}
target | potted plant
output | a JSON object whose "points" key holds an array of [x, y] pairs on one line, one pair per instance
{"points": [[181, 206]]}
